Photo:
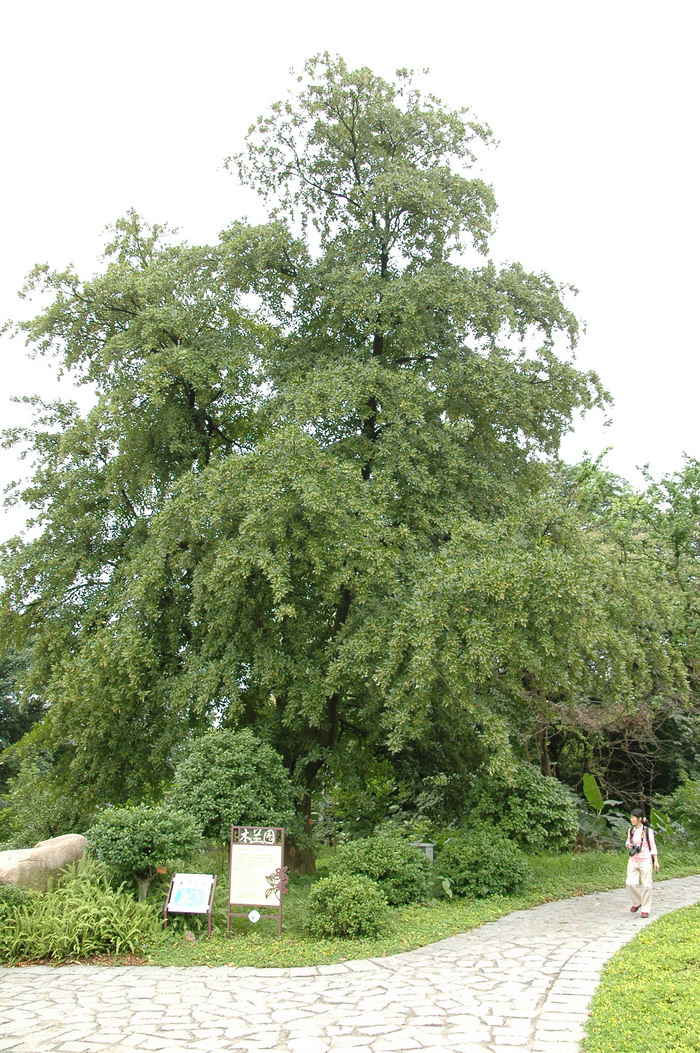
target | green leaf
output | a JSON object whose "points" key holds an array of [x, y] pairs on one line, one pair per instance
{"points": [[592, 792]]}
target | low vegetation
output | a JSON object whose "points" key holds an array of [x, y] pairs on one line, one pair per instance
{"points": [[649, 996], [105, 921], [80, 917]]}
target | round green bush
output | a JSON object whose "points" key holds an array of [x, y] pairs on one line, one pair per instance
{"points": [[233, 778], [482, 863], [348, 906], [535, 810], [402, 872], [134, 840]]}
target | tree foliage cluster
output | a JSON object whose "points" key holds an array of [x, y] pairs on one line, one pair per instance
{"points": [[317, 493]]}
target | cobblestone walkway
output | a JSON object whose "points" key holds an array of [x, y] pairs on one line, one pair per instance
{"points": [[520, 983]]}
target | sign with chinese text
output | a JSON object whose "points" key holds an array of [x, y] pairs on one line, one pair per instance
{"points": [[257, 875]]}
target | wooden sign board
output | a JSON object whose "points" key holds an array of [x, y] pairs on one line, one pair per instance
{"points": [[257, 876], [190, 894]]}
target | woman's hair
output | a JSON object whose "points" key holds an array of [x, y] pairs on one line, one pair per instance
{"points": [[639, 813]]}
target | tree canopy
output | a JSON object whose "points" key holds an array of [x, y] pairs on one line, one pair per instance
{"points": [[317, 493]]}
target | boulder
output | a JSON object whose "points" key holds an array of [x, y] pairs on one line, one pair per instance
{"points": [[32, 867]]}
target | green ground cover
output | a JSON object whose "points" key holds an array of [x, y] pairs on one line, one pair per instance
{"points": [[35, 929], [554, 876], [649, 996]]}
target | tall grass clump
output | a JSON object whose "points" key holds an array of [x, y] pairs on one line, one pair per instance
{"points": [[80, 916]]}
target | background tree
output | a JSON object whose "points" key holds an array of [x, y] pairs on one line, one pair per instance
{"points": [[635, 725], [16, 716], [317, 494], [673, 524]]}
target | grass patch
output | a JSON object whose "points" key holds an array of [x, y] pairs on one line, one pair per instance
{"points": [[554, 876], [649, 997]]}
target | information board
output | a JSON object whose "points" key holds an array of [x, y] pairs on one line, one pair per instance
{"points": [[254, 873], [257, 876], [190, 894]]}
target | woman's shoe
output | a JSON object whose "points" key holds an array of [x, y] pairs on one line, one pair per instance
{"points": [[645, 914], [635, 909]]}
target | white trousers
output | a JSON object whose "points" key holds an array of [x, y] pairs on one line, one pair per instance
{"points": [[639, 880]]}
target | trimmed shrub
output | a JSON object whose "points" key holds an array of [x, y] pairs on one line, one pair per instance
{"points": [[535, 810], [233, 778], [134, 841], [402, 872], [349, 906], [483, 863], [80, 917]]}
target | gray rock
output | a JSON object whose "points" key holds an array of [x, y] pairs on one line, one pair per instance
{"points": [[32, 867]]}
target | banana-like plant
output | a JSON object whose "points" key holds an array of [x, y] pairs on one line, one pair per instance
{"points": [[608, 818]]}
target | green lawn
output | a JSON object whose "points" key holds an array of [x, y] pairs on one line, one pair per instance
{"points": [[554, 877], [649, 997]]}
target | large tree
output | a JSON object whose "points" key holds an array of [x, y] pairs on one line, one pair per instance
{"points": [[302, 437]]}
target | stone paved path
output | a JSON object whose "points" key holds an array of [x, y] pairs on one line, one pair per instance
{"points": [[520, 983]]}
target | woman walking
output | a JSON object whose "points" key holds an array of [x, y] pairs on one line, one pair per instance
{"points": [[644, 859]]}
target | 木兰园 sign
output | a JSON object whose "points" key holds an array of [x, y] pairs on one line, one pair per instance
{"points": [[257, 876]]}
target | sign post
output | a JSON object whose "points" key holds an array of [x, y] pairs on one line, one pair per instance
{"points": [[190, 894], [257, 877]]}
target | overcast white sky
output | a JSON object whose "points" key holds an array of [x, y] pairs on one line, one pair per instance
{"points": [[109, 106]]}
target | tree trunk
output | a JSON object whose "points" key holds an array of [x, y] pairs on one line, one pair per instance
{"points": [[143, 885], [302, 858], [543, 743]]}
